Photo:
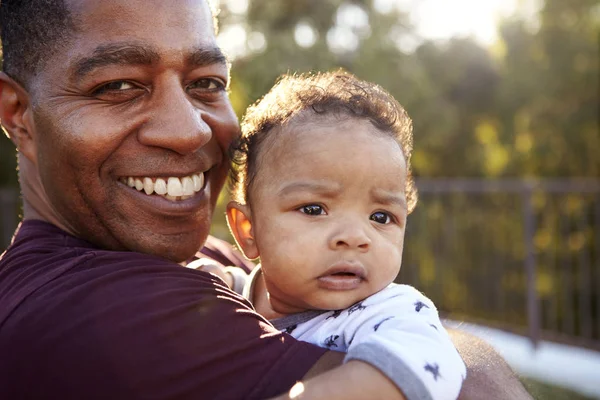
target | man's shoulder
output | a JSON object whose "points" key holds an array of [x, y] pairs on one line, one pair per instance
{"points": [[488, 374], [71, 274], [119, 321]]}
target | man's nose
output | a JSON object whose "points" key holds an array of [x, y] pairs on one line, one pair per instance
{"points": [[350, 234], [174, 122]]}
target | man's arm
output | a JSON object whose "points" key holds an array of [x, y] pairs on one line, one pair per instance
{"points": [[488, 375], [328, 379]]}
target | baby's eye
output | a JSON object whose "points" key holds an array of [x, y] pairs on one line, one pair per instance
{"points": [[207, 84], [381, 217], [312, 209]]}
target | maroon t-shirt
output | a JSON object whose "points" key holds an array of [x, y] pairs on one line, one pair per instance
{"points": [[79, 322]]}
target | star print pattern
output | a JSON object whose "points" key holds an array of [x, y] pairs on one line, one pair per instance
{"points": [[351, 339], [356, 307], [434, 369], [409, 330], [330, 341], [335, 314], [419, 305], [381, 322]]}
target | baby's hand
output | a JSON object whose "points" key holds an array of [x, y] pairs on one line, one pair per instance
{"points": [[213, 267]]}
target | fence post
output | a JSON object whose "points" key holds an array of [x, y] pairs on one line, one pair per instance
{"points": [[533, 311]]}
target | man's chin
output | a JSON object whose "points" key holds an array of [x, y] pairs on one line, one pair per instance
{"points": [[176, 248], [176, 252]]}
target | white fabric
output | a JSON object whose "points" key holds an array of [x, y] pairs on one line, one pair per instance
{"points": [[398, 331]]}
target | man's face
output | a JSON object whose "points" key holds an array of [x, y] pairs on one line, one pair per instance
{"points": [[328, 213], [133, 107]]}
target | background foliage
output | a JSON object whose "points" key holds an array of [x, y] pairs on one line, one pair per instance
{"points": [[527, 106], [524, 107]]}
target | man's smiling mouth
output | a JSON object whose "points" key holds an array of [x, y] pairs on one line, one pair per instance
{"points": [[172, 188]]}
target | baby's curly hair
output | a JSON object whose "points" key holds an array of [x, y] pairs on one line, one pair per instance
{"points": [[338, 94]]}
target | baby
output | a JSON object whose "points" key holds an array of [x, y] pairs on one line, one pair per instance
{"points": [[321, 189]]}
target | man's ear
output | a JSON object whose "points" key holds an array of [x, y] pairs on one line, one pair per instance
{"points": [[15, 116], [240, 224]]}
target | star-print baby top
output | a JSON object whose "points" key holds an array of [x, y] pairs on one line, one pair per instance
{"points": [[397, 330]]}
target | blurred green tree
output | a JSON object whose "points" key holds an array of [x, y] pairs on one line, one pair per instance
{"points": [[526, 107]]}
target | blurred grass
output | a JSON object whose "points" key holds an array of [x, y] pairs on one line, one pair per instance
{"points": [[544, 391]]}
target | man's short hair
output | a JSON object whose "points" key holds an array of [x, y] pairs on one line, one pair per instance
{"points": [[337, 94], [31, 31]]}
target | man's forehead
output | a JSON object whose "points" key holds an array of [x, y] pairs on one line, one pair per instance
{"points": [[119, 31], [82, 5], [130, 32], [128, 12]]}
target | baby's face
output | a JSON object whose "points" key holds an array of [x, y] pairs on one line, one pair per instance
{"points": [[328, 214]]}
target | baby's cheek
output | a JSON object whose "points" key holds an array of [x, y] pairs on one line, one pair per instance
{"points": [[278, 255], [290, 247], [390, 260]]}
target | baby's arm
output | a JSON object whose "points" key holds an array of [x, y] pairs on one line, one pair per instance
{"points": [[235, 277], [239, 278], [398, 331]]}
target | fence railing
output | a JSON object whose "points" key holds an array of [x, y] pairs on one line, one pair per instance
{"points": [[513, 253], [519, 254]]}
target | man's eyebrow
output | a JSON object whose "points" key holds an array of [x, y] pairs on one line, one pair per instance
{"points": [[116, 54], [207, 56], [388, 198], [328, 189]]}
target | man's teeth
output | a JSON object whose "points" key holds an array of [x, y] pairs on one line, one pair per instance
{"points": [[148, 186], [173, 188], [160, 187], [198, 181]]}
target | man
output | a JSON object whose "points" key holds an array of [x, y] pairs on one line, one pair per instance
{"points": [[120, 115]]}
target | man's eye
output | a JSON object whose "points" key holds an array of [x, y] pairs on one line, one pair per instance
{"points": [[115, 86], [209, 84], [381, 217], [312, 209]]}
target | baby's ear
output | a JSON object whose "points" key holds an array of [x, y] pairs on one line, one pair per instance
{"points": [[239, 220]]}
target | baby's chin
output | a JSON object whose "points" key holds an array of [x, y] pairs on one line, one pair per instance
{"points": [[336, 304], [321, 300]]}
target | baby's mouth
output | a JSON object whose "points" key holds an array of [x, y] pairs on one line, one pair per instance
{"points": [[173, 188], [343, 276], [346, 270]]}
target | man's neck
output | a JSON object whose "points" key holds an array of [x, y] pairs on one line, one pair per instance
{"points": [[31, 213], [36, 204]]}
